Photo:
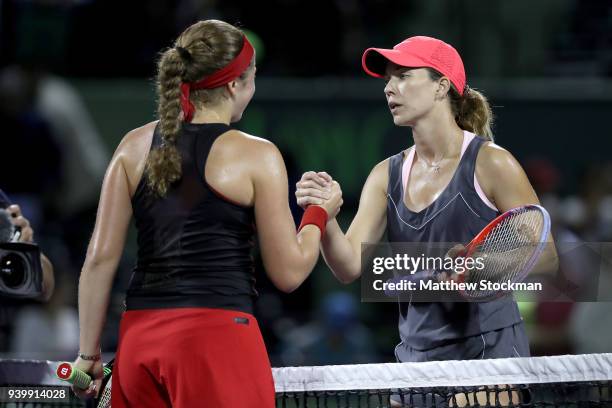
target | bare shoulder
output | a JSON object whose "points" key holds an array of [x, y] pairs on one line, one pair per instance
{"points": [[497, 168], [137, 139], [493, 157], [261, 152], [503, 179], [252, 141], [379, 176], [133, 151], [381, 170]]}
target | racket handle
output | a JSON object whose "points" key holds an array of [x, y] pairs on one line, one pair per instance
{"points": [[69, 373]]}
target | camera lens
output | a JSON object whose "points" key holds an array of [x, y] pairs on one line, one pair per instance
{"points": [[12, 270]]}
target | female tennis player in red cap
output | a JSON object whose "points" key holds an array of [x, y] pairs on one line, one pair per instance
{"points": [[196, 188], [445, 188]]}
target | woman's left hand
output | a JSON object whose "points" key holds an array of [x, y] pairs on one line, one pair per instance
{"points": [[454, 275]]}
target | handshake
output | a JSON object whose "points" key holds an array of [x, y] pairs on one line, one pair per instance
{"points": [[318, 188]]}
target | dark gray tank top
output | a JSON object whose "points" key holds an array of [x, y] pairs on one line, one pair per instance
{"points": [[457, 215]]}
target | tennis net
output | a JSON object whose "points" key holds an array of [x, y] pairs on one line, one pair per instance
{"points": [[559, 381]]}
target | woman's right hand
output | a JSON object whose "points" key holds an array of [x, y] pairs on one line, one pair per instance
{"points": [[313, 188], [95, 370], [319, 189]]}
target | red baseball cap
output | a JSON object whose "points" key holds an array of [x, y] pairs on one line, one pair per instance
{"points": [[418, 52]]}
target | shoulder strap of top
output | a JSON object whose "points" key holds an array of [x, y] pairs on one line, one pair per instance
{"points": [[468, 161], [157, 138], [394, 187], [204, 142]]}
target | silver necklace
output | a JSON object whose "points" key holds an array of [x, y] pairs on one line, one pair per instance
{"points": [[434, 166]]}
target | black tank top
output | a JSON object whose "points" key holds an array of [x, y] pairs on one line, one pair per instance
{"points": [[194, 246], [457, 215]]}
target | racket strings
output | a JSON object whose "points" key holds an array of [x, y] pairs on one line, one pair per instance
{"points": [[105, 397], [497, 245], [508, 249]]}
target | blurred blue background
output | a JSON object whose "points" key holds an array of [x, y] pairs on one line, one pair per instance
{"points": [[75, 76]]}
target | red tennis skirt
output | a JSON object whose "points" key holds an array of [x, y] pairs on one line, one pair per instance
{"points": [[191, 357]]}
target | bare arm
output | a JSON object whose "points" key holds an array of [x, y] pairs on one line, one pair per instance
{"points": [[104, 251], [103, 254], [288, 258], [342, 252], [507, 186]]}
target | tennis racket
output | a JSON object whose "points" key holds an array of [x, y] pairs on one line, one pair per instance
{"points": [[508, 247], [67, 372]]}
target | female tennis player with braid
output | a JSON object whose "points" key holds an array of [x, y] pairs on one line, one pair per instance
{"points": [[196, 188], [445, 188]]}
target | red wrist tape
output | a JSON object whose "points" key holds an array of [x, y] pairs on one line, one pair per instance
{"points": [[314, 215]]}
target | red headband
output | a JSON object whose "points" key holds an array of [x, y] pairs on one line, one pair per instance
{"points": [[223, 76]]}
